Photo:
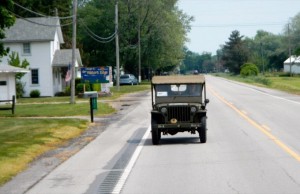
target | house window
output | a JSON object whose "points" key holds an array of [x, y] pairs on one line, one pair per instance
{"points": [[34, 76], [26, 49], [2, 83]]}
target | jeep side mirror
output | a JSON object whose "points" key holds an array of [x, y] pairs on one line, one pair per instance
{"points": [[206, 101]]}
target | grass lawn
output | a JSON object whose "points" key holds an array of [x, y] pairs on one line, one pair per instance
{"points": [[57, 110], [287, 84], [24, 139], [115, 94]]}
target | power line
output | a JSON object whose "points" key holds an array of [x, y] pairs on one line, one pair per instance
{"points": [[235, 25], [93, 36], [86, 28], [89, 32], [49, 25], [96, 36], [97, 40], [39, 14]]}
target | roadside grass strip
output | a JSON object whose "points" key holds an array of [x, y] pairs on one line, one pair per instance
{"points": [[23, 140]]}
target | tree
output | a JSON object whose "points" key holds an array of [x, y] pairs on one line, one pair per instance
{"points": [[264, 49], [292, 33], [163, 30], [235, 52], [203, 63], [6, 20]]}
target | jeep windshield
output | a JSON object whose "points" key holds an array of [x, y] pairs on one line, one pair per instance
{"points": [[167, 90]]}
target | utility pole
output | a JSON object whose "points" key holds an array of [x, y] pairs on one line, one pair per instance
{"points": [[139, 39], [72, 100], [262, 57], [56, 12], [290, 51], [117, 46]]}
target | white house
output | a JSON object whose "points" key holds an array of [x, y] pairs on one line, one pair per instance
{"points": [[292, 64], [8, 81], [38, 41]]}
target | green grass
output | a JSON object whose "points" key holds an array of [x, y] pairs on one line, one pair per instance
{"points": [[57, 110], [115, 94], [287, 84], [128, 89], [23, 140]]}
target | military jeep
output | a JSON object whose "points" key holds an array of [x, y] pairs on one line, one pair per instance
{"points": [[178, 105]]}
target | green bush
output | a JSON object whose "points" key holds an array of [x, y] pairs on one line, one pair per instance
{"points": [[68, 91], [35, 94], [249, 69], [263, 80], [20, 88], [61, 94], [79, 88]]}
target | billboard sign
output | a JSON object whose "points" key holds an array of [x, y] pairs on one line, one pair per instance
{"points": [[95, 74]]}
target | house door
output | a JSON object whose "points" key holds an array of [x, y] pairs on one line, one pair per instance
{"points": [[3, 88]]}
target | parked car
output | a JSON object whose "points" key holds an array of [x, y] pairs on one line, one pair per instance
{"points": [[178, 105], [128, 79]]}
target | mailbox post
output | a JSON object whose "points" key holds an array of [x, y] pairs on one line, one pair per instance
{"points": [[93, 95]]}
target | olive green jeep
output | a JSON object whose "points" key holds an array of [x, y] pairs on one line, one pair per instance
{"points": [[178, 105]]}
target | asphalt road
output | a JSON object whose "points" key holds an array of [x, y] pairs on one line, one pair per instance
{"points": [[253, 146]]}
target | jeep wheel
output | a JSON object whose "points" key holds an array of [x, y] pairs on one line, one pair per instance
{"points": [[202, 130], [155, 134]]}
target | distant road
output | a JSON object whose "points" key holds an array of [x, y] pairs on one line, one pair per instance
{"points": [[253, 146]]}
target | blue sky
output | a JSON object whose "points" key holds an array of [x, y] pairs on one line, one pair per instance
{"points": [[216, 19]]}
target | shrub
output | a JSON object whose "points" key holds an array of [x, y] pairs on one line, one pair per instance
{"points": [[249, 69], [20, 89], [79, 88], [35, 94], [263, 80], [68, 91], [60, 94]]}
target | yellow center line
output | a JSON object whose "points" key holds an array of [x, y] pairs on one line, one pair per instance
{"points": [[266, 127], [261, 128]]}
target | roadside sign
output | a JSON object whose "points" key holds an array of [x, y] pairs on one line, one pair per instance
{"points": [[95, 74]]}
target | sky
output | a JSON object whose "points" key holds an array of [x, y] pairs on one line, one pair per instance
{"points": [[214, 20]]}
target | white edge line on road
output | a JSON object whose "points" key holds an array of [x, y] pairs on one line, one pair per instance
{"points": [[281, 98], [127, 170]]}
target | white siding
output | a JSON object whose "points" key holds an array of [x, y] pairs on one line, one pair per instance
{"points": [[6, 92], [40, 59], [295, 68]]}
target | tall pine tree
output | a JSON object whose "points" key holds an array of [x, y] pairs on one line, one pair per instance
{"points": [[235, 52]]}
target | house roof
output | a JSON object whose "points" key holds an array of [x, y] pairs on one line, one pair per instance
{"points": [[11, 69], [293, 59], [63, 57], [33, 30], [178, 79]]}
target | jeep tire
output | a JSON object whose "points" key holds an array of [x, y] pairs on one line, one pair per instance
{"points": [[155, 134], [202, 130]]}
